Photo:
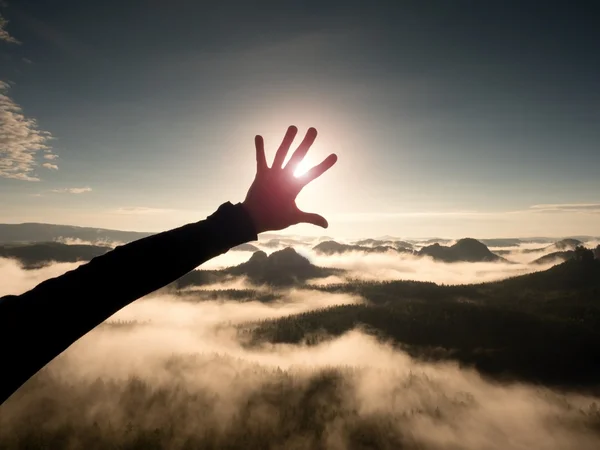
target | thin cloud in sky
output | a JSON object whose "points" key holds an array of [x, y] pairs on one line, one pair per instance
{"points": [[593, 208], [590, 208], [81, 190], [379, 215], [50, 166], [140, 210], [50, 156]]}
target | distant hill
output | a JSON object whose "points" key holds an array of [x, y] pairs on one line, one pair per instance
{"points": [[558, 246], [575, 273], [541, 327], [281, 268], [435, 241], [280, 242], [507, 242], [381, 243], [571, 242], [333, 247], [33, 256], [43, 232], [535, 250], [567, 244], [245, 248], [465, 250], [554, 256], [372, 242]]}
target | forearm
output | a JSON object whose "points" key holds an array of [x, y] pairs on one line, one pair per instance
{"points": [[43, 322]]}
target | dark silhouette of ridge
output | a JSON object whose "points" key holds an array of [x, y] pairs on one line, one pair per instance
{"points": [[581, 271], [567, 244], [558, 246], [34, 256], [554, 256], [281, 268], [436, 241], [44, 232], [464, 250]]}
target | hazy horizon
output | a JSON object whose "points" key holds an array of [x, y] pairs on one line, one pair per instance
{"points": [[326, 233]]}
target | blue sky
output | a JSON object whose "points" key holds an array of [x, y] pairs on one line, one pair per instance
{"points": [[449, 118]]}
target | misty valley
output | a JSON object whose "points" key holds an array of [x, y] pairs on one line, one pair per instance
{"points": [[302, 342], [299, 225]]}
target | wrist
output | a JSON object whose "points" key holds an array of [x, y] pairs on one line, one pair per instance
{"points": [[254, 216]]}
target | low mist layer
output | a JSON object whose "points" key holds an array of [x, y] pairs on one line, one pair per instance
{"points": [[173, 372], [16, 280], [379, 267], [394, 266]]}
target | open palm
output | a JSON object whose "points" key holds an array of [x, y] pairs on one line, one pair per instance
{"points": [[271, 199]]}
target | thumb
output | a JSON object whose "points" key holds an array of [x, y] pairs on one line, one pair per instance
{"points": [[312, 218]]}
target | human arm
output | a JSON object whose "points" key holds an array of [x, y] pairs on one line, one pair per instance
{"points": [[38, 325]]}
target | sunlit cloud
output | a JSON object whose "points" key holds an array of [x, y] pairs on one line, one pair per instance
{"points": [[50, 156], [20, 140], [50, 166], [81, 190]]}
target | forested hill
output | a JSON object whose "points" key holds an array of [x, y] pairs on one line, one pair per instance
{"points": [[541, 327]]}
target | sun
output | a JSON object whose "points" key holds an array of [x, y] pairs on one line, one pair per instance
{"points": [[302, 168]]}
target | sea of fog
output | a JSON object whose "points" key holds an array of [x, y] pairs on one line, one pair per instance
{"points": [[181, 371]]}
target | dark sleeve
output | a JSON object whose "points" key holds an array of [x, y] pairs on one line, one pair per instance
{"points": [[38, 325]]}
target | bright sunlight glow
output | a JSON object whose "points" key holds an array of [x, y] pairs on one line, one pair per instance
{"points": [[302, 168]]}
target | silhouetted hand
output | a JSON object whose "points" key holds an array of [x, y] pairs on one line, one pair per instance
{"points": [[271, 200]]}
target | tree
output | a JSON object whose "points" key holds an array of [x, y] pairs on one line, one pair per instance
{"points": [[583, 254]]}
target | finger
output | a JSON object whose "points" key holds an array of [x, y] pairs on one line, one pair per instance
{"points": [[318, 170], [302, 149], [312, 218], [261, 160], [284, 147]]}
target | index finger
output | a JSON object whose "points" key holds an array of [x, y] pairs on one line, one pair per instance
{"points": [[318, 170]]}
